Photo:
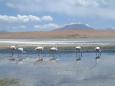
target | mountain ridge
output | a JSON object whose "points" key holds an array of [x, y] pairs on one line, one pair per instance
{"points": [[75, 26]]}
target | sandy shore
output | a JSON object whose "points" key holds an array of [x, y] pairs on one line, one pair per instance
{"points": [[71, 38], [62, 44]]}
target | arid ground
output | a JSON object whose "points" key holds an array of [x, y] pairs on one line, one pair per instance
{"points": [[58, 34]]}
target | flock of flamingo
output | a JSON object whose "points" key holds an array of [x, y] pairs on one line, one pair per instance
{"points": [[54, 50]]}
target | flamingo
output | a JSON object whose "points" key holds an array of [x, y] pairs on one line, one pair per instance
{"points": [[78, 53], [13, 48], [98, 53], [53, 50], [20, 50], [39, 49]]}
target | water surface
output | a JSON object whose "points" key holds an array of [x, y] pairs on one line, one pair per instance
{"points": [[65, 72]]}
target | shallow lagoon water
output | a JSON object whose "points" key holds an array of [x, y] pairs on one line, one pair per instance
{"points": [[65, 72]]}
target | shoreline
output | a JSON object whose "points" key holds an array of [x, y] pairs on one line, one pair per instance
{"points": [[62, 44]]}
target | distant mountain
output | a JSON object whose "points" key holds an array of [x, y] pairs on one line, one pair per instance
{"points": [[74, 26]]}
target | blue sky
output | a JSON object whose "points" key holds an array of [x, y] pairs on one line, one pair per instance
{"points": [[45, 15]]}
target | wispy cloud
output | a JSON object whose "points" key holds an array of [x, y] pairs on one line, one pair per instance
{"points": [[97, 13], [82, 8]]}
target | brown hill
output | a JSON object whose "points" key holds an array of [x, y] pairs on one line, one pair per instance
{"points": [[57, 34]]}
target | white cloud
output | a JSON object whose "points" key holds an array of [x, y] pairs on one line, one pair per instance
{"points": [[46, 27], [26, 23], [25, 18], [47, 18], [82, 8], [37, 26], [10, 5], [19, 18]]}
